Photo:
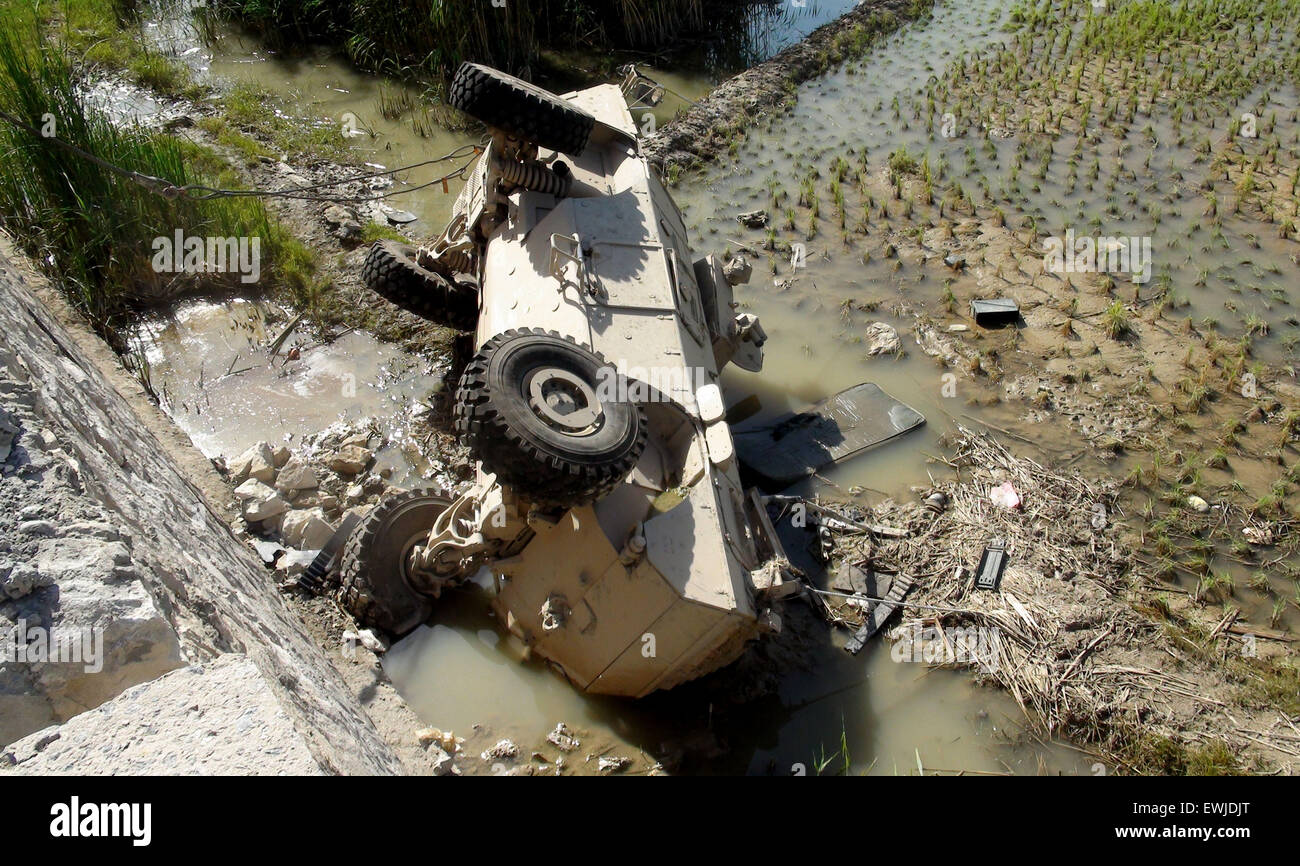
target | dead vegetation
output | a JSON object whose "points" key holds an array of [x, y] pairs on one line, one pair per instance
{"points": [[1158, 691]]}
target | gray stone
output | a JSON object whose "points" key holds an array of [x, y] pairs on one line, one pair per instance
{"points": [[9, 427], [36, 527], [175, 565], [738, 271], [443, 763]]}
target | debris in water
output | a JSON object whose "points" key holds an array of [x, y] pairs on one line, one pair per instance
{"points": [[613, 765], [882, 339], [879, 613], [1260, 535], [503, 750], [562, 738], [737, 271]]}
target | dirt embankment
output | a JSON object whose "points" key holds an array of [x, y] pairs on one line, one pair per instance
{"points": [[109, 528], [704, 130]]}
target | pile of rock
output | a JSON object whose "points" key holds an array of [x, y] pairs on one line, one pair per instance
{"points": [[299, 498]]}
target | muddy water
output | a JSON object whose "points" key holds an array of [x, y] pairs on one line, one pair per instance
{"points": [[208, 363], [388, 122], [815, 314], [865, 714]]}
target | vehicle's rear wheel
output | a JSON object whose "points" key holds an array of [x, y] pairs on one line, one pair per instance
{"points": [[376, 584], [550, 418], [520, 109], [392, 271]]}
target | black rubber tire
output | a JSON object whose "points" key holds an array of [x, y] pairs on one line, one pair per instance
{"points": [[547, 466], [520, 109], [374, 585], [392, 272]]}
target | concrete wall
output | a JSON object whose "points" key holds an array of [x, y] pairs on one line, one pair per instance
{"points": [[100, 528]]}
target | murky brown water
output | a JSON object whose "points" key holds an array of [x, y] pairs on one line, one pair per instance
{"points": [[208, 362]]}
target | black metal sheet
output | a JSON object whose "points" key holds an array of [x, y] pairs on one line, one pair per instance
{"points": [[995, 311], [798, 444]]}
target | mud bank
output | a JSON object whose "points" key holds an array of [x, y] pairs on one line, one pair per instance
{"points": [[106, 530], [709, 126]]}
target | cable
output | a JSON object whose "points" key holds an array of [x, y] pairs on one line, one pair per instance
{"points": [[165, 187], [917, 604], [293, 194], [171, 191]]}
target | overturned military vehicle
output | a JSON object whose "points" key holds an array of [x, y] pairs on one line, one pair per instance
{"points": [[608, 505]]}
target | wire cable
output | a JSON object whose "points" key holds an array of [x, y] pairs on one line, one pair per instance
{"points": [[171, 191]]}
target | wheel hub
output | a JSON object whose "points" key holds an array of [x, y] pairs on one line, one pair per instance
{"points": [[564, 401]]}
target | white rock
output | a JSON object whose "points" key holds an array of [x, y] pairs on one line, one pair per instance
{"points": [[1198, 504], [306, 528], [350, 459], [296, 475], [261, 501], [294, 562], [257, 462], [882, 339], [443, 764], [372, 641]]}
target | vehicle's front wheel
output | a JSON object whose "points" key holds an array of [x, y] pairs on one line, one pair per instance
{"points": [[550, 418], [392, 270], [376, 583], [520, 109]]}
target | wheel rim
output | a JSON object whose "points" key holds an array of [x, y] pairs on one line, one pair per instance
{"points": [[564, 402], [436, 505]]}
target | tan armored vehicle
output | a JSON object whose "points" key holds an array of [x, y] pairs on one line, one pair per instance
{"points": [[608, 505]]}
